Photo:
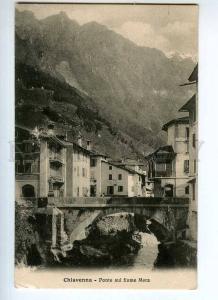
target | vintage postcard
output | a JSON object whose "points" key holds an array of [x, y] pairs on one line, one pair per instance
{"points": [[106, 138]]}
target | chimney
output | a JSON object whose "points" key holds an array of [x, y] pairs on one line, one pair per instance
{"points": [[50, 129], [88, 145]]}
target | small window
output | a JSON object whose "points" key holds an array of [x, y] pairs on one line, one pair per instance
{"points": [[120, 188], [186, 166], [193, 191], [27, 167], [193, 140], [83, 172], [187, 190], [77, 171], [195, 166], [20, 168], [92, 162], [78, 191], [28, 147], [17, 166], [120, 176], [110, 190], [187, 133], [160, 167], [194, 115], [110, 176], [110, 167]]}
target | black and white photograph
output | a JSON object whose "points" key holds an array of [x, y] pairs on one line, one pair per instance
{"points": [[106, 145]]}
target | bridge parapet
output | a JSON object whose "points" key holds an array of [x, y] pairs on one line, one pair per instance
{"points": [[148, 200]]}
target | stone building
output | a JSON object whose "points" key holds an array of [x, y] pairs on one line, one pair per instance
{"points": [[77, 170], [50, 166], [169, 165], [27, 164], [110, 178], [191, 107]]}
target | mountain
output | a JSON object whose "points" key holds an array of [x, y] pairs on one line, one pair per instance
{"points": [[134, 89]]}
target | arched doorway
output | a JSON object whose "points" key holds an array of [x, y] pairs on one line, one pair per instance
{"points": [[28, 191], [168, 190]]}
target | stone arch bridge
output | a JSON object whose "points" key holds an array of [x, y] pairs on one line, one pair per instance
{"points": [[168, 216]]}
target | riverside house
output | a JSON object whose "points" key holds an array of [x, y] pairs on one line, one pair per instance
{"points": [[168, 166], [191, 107], [110, 178], [50, 166]]}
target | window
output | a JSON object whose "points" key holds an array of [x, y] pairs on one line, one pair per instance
{"points": [[110, 176], [194, 115], [77, 171], [78, 191], [160, 167], [195, 166], [110, 167], [120, 188], [193, 140], [187, 132], [28, 147], [139, 178], [186, 166], [20, 168], [187, 190], [27, 167], [110, 190], [120, 176], [92, 162], [169, 188], [193, 191], [17, 166], [83, 172]]}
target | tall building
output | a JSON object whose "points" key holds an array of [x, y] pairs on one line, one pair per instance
{"points": [[77, 170], [169, 165], [27, 164], [96, 161], [49, 166], [40, 164], [191, 107]]}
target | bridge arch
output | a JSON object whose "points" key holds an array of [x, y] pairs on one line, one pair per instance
{"points": [[156, 217]]}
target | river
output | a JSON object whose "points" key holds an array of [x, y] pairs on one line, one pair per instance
{"points": [[147, 255]]}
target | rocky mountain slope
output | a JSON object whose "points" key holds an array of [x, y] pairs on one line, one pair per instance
{"points": [[130, 91]]}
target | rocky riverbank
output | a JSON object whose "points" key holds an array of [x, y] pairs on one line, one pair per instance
{"points": [[183, 253], [110, 240]]}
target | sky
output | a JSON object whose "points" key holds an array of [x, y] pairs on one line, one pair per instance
{"points": [[172, 29]]}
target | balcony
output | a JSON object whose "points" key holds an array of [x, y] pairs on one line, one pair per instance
{"points": [[58, 179], [166, 173], [56, 158]]}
